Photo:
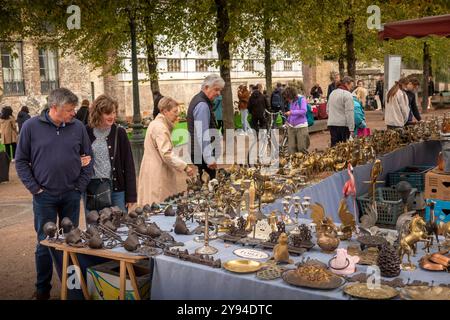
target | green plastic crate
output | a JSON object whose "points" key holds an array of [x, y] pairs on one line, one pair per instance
{"points": [[415, 175], [389, 205]]}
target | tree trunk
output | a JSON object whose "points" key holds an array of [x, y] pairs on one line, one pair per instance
{"points": [[350, 44], [223, 50], [426, 73], [341, 64], [268, 66]]}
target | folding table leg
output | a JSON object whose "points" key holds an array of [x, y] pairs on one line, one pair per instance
{"points": [[74, 258], [123, 279], [133, 280], [64, 275]]}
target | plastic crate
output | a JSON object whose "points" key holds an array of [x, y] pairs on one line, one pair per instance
{"points": [[389, 205], [415, 175]]}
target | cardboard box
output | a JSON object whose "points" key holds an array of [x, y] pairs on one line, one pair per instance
{"points": [[437, 185], [103, 281]]}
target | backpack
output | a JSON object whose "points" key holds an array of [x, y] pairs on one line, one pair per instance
{"points": [[309, 114], [277, 101]]}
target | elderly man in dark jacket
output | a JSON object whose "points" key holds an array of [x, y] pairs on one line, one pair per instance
{"points": [[257, 105], [49, 165]]}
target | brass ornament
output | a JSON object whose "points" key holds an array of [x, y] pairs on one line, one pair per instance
{"points": [[242, 266], [363, 291], [311, 276], [425, 293]]}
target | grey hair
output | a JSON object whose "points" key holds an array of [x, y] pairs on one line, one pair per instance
{"points": [[62, 96], [212, 80]]}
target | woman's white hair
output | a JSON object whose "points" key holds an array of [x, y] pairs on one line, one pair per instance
{"points": [[212, 80]]}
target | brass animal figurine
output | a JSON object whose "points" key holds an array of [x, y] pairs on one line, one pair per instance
{"points": [[408, 243], [348, 225], [326, 230], [280, 251]]}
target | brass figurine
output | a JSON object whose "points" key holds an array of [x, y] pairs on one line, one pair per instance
{"points": [[408, 243]]}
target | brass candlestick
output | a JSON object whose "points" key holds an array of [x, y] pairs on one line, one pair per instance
{"points": [[206, 249]]}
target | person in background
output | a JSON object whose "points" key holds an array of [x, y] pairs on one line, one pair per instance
{"points": [[202, 125], [379, 90], [157, 96], [22, 116], [243, 96], [217, 108], [257, 105], [114, 165], [276, 99], [316, 91], [8, 131], [397, 109], [361, 93], [340, 109], [360, 116], [160, 167], [410, 90], [430, 91], [83, 112], [297, 122], [333, 85], [48, 164]]}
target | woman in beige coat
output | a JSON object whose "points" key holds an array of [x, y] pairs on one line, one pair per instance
{"points": [[8, 131], [160, 166]]}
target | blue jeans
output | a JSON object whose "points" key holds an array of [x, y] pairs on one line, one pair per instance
{"points": [[244, 114], [117, 199], [47, 208]]}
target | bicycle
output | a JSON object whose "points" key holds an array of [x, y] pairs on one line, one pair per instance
{"points": [[268, 148]]}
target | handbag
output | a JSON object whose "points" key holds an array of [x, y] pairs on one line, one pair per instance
{"points": [[363, 132], [98, 192]]}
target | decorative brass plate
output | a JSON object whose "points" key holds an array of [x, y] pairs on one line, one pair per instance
{"points": [[294, 278], [270, 273], [242, 266], [362, 291], [425, 293]]}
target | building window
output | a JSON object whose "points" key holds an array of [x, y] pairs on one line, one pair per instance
{"points": [[201, 65], [13, 83], [173, 65], [48, 68], [287, 65], [142, 65], [249, 65]]}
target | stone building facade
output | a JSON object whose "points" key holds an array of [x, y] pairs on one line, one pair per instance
{"points": [[70, 73]]}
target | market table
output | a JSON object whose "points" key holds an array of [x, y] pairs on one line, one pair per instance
{"points": [[126, 261], [177, 279]]}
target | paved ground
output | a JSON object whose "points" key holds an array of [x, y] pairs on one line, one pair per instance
{"points": [[17, 236]]}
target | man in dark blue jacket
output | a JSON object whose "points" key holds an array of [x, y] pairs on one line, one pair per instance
{"points": [[48, 163]]}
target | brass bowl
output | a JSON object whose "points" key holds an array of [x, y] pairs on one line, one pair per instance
{"points": [[425, 293], [294, 278], [242, 266], [328, 244], [362, 291]]}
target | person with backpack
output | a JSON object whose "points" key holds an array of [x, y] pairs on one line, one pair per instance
{"points": [[257, 104], [297, 121], [276, 101]]}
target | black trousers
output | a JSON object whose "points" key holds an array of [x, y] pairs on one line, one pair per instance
{"points": [[8, 149], [258, 123], [338, 134]]}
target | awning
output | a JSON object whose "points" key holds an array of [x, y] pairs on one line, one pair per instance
{"points": [[418, 28]]}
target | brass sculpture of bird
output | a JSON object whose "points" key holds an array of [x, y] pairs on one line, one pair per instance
{"points": [[377, 168], [345, 215]]}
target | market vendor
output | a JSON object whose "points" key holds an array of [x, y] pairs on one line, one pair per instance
{"points": [[160, 167]]}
